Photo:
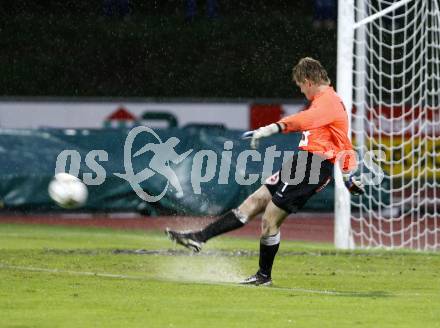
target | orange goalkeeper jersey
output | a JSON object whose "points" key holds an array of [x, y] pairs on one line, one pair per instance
{"points": [[325, 128]]}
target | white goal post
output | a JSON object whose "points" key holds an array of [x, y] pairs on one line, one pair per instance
{"points": [[388, 75]]}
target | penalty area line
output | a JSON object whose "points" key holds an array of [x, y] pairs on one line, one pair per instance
{"points": [[129, 277], [70, 272], [226, 284]]}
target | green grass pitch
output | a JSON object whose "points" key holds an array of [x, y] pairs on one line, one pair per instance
{"points": [[78, 277]]}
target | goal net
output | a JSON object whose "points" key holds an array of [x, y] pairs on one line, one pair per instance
{"points": [[395, 101]]}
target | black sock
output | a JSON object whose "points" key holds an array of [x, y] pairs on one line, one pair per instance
{"points": [[267, 253], [227, 222]]}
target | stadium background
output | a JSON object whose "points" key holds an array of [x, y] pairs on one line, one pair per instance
{"points": [[79, 78], [58, 49], [72, 76]]}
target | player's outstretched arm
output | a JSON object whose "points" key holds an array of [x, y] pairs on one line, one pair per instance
{"points": [[264, 131]]}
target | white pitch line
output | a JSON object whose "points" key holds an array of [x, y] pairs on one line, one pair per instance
{"points": [[75, 273], [129, 277], [121, 276]]}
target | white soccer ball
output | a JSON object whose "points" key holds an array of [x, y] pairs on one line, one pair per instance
{"points": [[68, 191]]}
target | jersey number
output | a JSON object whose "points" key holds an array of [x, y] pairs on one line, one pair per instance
{"points": [[305, 139]]}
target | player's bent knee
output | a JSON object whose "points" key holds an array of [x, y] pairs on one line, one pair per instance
{"points": [[272, 219], [254, 204], [269, 227]]}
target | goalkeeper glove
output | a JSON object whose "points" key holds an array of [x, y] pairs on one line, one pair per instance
{"points": [[262, 132], [354, 186]]}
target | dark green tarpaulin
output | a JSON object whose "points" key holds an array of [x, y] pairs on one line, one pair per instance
{"points": [[28, 161]]}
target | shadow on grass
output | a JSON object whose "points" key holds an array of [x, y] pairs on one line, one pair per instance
{"points": [[370, 294], [373, 294]]}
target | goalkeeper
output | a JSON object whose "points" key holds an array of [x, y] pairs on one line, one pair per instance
{"points": [[325, 137]]}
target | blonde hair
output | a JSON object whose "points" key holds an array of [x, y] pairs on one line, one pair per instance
{"points": [[310, 69]]}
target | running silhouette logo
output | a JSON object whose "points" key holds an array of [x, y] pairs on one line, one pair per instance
{"points": [[163, 154], [206, 165]]}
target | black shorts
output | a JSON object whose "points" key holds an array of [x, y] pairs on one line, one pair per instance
{"points": [[299, 179]]}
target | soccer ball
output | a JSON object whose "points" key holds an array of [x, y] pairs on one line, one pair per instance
{"points": [[67, 191]]}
